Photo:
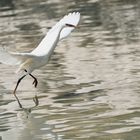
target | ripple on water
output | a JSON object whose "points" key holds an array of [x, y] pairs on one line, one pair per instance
{"points": [[90, 88]]}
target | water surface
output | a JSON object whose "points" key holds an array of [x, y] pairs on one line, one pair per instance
{"points": [[91, 87]]}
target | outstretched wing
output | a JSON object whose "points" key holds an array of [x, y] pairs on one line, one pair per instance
{"points": [[7, 58], [48, 42], [71, 18], [13, 58]]}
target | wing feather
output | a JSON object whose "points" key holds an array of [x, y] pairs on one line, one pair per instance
{"points": [[71, 18], [7, 58], [13, 58], [47, 42]]}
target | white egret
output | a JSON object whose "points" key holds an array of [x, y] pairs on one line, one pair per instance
{"points": [[39, 57]]}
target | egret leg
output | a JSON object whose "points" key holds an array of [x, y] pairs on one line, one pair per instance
{"points": [[35, 82], [14, 92]]}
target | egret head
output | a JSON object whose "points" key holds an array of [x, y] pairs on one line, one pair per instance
{"points": [[70, 25]]}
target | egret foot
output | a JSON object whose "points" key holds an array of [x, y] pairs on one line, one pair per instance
{"points": [[35, 82]]}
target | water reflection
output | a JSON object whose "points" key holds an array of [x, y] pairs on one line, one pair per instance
{"points": [[28, 110], [90, 88]]}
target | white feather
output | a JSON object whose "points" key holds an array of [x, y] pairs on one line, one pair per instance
{"points": [[13, 58], [71, 18], [41, 54], [49, 40], [7, 58]]}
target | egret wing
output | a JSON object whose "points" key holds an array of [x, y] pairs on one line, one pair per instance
{"points": [[13, 58], [7, 58], [71, 18], [22, 56], [48, 41]]}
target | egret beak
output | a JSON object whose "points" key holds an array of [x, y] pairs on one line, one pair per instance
{"points": [[70, 25]]}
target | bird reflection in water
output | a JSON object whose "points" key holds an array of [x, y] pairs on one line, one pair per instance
{"points": [[28, 110]]}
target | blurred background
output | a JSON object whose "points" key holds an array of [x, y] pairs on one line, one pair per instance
{"points": [[91, 87]]}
